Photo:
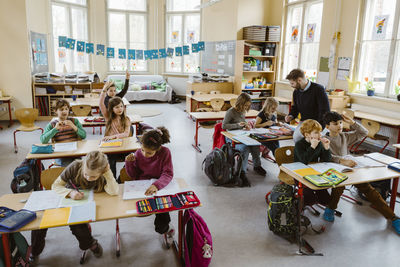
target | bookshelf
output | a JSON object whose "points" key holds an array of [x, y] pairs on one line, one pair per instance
{"points": [[46, 94]]}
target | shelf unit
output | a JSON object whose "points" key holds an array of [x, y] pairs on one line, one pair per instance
{"points": [[44, 102]]}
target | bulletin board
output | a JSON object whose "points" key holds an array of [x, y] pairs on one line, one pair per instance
{"points": [[219, 57], [39, 58]]}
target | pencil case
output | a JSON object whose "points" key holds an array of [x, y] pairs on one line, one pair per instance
{"points": [[11, 220], [46, 149], [183, 200], [395, 166]]}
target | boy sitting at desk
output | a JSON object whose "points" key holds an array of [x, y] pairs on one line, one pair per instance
{"points": [[340, 142], [313, 148]]}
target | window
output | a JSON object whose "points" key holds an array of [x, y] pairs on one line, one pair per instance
{"points": [[182, 28], [380, 39], [302, 35], [127, 29], [69, 18]]}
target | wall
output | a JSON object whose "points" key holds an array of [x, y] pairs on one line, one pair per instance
{"points": [[15, 78]]}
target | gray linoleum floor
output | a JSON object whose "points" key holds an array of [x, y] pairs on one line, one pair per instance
{"points": [[235, 216]]}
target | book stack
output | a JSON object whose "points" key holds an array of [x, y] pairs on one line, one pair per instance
{"points": [[42, 104], [70, 78], [255, 33], [273, 33], [82, 78], [56, 78], [41, 77]]}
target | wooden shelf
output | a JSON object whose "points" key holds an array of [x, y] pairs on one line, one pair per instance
{"points": [[249, 71], [259, 56], [257, 89], [59, 94]]}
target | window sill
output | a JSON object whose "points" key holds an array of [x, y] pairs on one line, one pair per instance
{"points": [[374, 98], [173, 74]]}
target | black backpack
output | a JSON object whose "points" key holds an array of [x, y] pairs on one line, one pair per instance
{"points": [[26, 177], [223, 166], [20, 250], [174, 98]]}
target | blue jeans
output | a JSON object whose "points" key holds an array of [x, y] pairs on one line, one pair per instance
{"points": [[245, 150], [272, 145], [64, 162]]}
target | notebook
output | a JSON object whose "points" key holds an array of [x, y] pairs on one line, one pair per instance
{"points": [[330, 177], [111, 143]]}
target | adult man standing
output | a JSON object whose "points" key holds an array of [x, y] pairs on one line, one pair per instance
{"points": [[309, 99]]}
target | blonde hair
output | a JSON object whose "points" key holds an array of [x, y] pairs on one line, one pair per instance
{"points": [[96, 161], [269, 103], [241, 101], [310, 125]]}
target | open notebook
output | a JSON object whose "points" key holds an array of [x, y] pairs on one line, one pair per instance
{"points": [[136, 189]]}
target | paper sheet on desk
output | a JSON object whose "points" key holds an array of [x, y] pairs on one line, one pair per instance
{"points": [[83, 213], [68, 202], [136, 189], [42, 200], [64, 147], [324, 166]]}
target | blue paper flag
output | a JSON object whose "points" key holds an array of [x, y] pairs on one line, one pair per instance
{"points": [[131, 54], [110, 52], [89, 48], [62, 41], [147, 54], [154, 54], [71, 43], [122, 53], [195, 48], [201, 46], [186, 50], [170, 52], [100, 49], [139, 54], [80, 46], [162, 53], [178, 51]]}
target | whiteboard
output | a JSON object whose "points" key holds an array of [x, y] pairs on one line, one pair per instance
{"points": [[219, 57]]}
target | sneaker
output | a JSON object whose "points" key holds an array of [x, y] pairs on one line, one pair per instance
{"points": [[168, 237], [245, 181], [329, 215], [396, 225], [259, 170], [97, 249], [33, 260]]}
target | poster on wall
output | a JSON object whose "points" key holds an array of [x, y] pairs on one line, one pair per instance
{"points": [[294, 36], [61, 55], [310, 32], [175, 36], [100, 50], [190, 36], [38, 49], [379, 27]]}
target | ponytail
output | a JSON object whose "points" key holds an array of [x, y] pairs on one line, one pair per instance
{"points": [[155, 138]]}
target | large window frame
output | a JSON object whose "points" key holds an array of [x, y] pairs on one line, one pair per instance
{"points": [[394, 53], [286, 42], [127, 14], [183, 14], [70, 54]]}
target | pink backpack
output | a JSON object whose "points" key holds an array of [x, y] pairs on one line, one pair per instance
{"points": [[198, 241]]}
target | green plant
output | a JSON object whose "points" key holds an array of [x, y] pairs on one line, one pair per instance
{"points": [[369, 85], [397, 87]]}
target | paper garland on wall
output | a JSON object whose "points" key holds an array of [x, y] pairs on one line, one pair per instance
{"points": [[132, 54]]}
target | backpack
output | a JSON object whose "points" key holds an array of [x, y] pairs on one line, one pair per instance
{"points": [[197, 239], [19, 248], [26, 177], [223, 165], [174, 98]]}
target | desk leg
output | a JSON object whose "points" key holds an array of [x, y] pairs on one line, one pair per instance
{"points": [[394, 193], [179, 247], [196, 137], [6, 249], [9, 113], [398, 142], [39, 165]]}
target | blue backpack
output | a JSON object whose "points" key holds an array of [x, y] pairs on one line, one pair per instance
{"points": [[26, 177]]}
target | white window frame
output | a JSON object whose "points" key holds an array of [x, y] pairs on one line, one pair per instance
{"points": [[393, 42], [304, 4], [183, 14], [127, 13], [68, 6]]}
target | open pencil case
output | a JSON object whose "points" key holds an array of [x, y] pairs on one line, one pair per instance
{"points": [[182, 200], [11, 220]]}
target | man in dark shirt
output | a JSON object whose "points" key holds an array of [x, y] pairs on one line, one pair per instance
{"points": [[309, 99]]}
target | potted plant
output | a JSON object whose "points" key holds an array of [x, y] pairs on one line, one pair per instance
{"points": [[369, 86], [397, 90]]}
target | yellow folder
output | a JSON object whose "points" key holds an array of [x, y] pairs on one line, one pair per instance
{"points": [[306, 171], [55, 217]]}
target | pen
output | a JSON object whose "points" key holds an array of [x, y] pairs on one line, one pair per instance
{"points": [[74, 186]]}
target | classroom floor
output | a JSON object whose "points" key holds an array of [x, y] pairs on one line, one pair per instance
{"points": [[236, 217]]}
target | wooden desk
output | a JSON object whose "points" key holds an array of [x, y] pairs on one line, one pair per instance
{"points": [[92, 101], [206, 98], [135, 120], [7, 99], [107, 208], [388, 121], [212, 116]]}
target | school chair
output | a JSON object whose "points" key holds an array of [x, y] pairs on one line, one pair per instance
{"points": [[232, 102], [284, 155], [349, 113], [27, 117], [373, 128], [83, 111], [48, 176]]}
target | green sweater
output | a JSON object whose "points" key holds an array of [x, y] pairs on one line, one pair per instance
{"points": [[303, 152], [50, 132]]}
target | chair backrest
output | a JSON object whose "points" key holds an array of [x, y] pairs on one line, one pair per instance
{"points": [[233, 101], [27, 116], [217, 103], [123, 176], [348, 113], [81, 110], [284, 155], [215, 92], [373, 127], [47, 177]]}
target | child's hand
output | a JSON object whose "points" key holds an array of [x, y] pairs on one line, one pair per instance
{"points": [[59, 125], [348, 119], [130, 157], [106, 138], [127, 75], [151, 190], [269, 123], [325, 142], [348, 162], [106, 86], [71, 124], [278, 123], [314, 142], [242, 123], [76, 195], [288, 118]]}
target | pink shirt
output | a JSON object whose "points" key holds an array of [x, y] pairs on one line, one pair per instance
{"points": [[158, 167]]}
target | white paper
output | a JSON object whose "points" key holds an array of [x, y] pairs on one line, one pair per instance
{"points": [[171, 189], [323, 78], [344, 63], [295, 166], [379, 27], [63, 147], [69, 202], [136, 189], [382, 158], [83, 213], [342, 74], [42, 200], [248, 141], [364, 162], [310, 32], [239, 132], [324, 166]]}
